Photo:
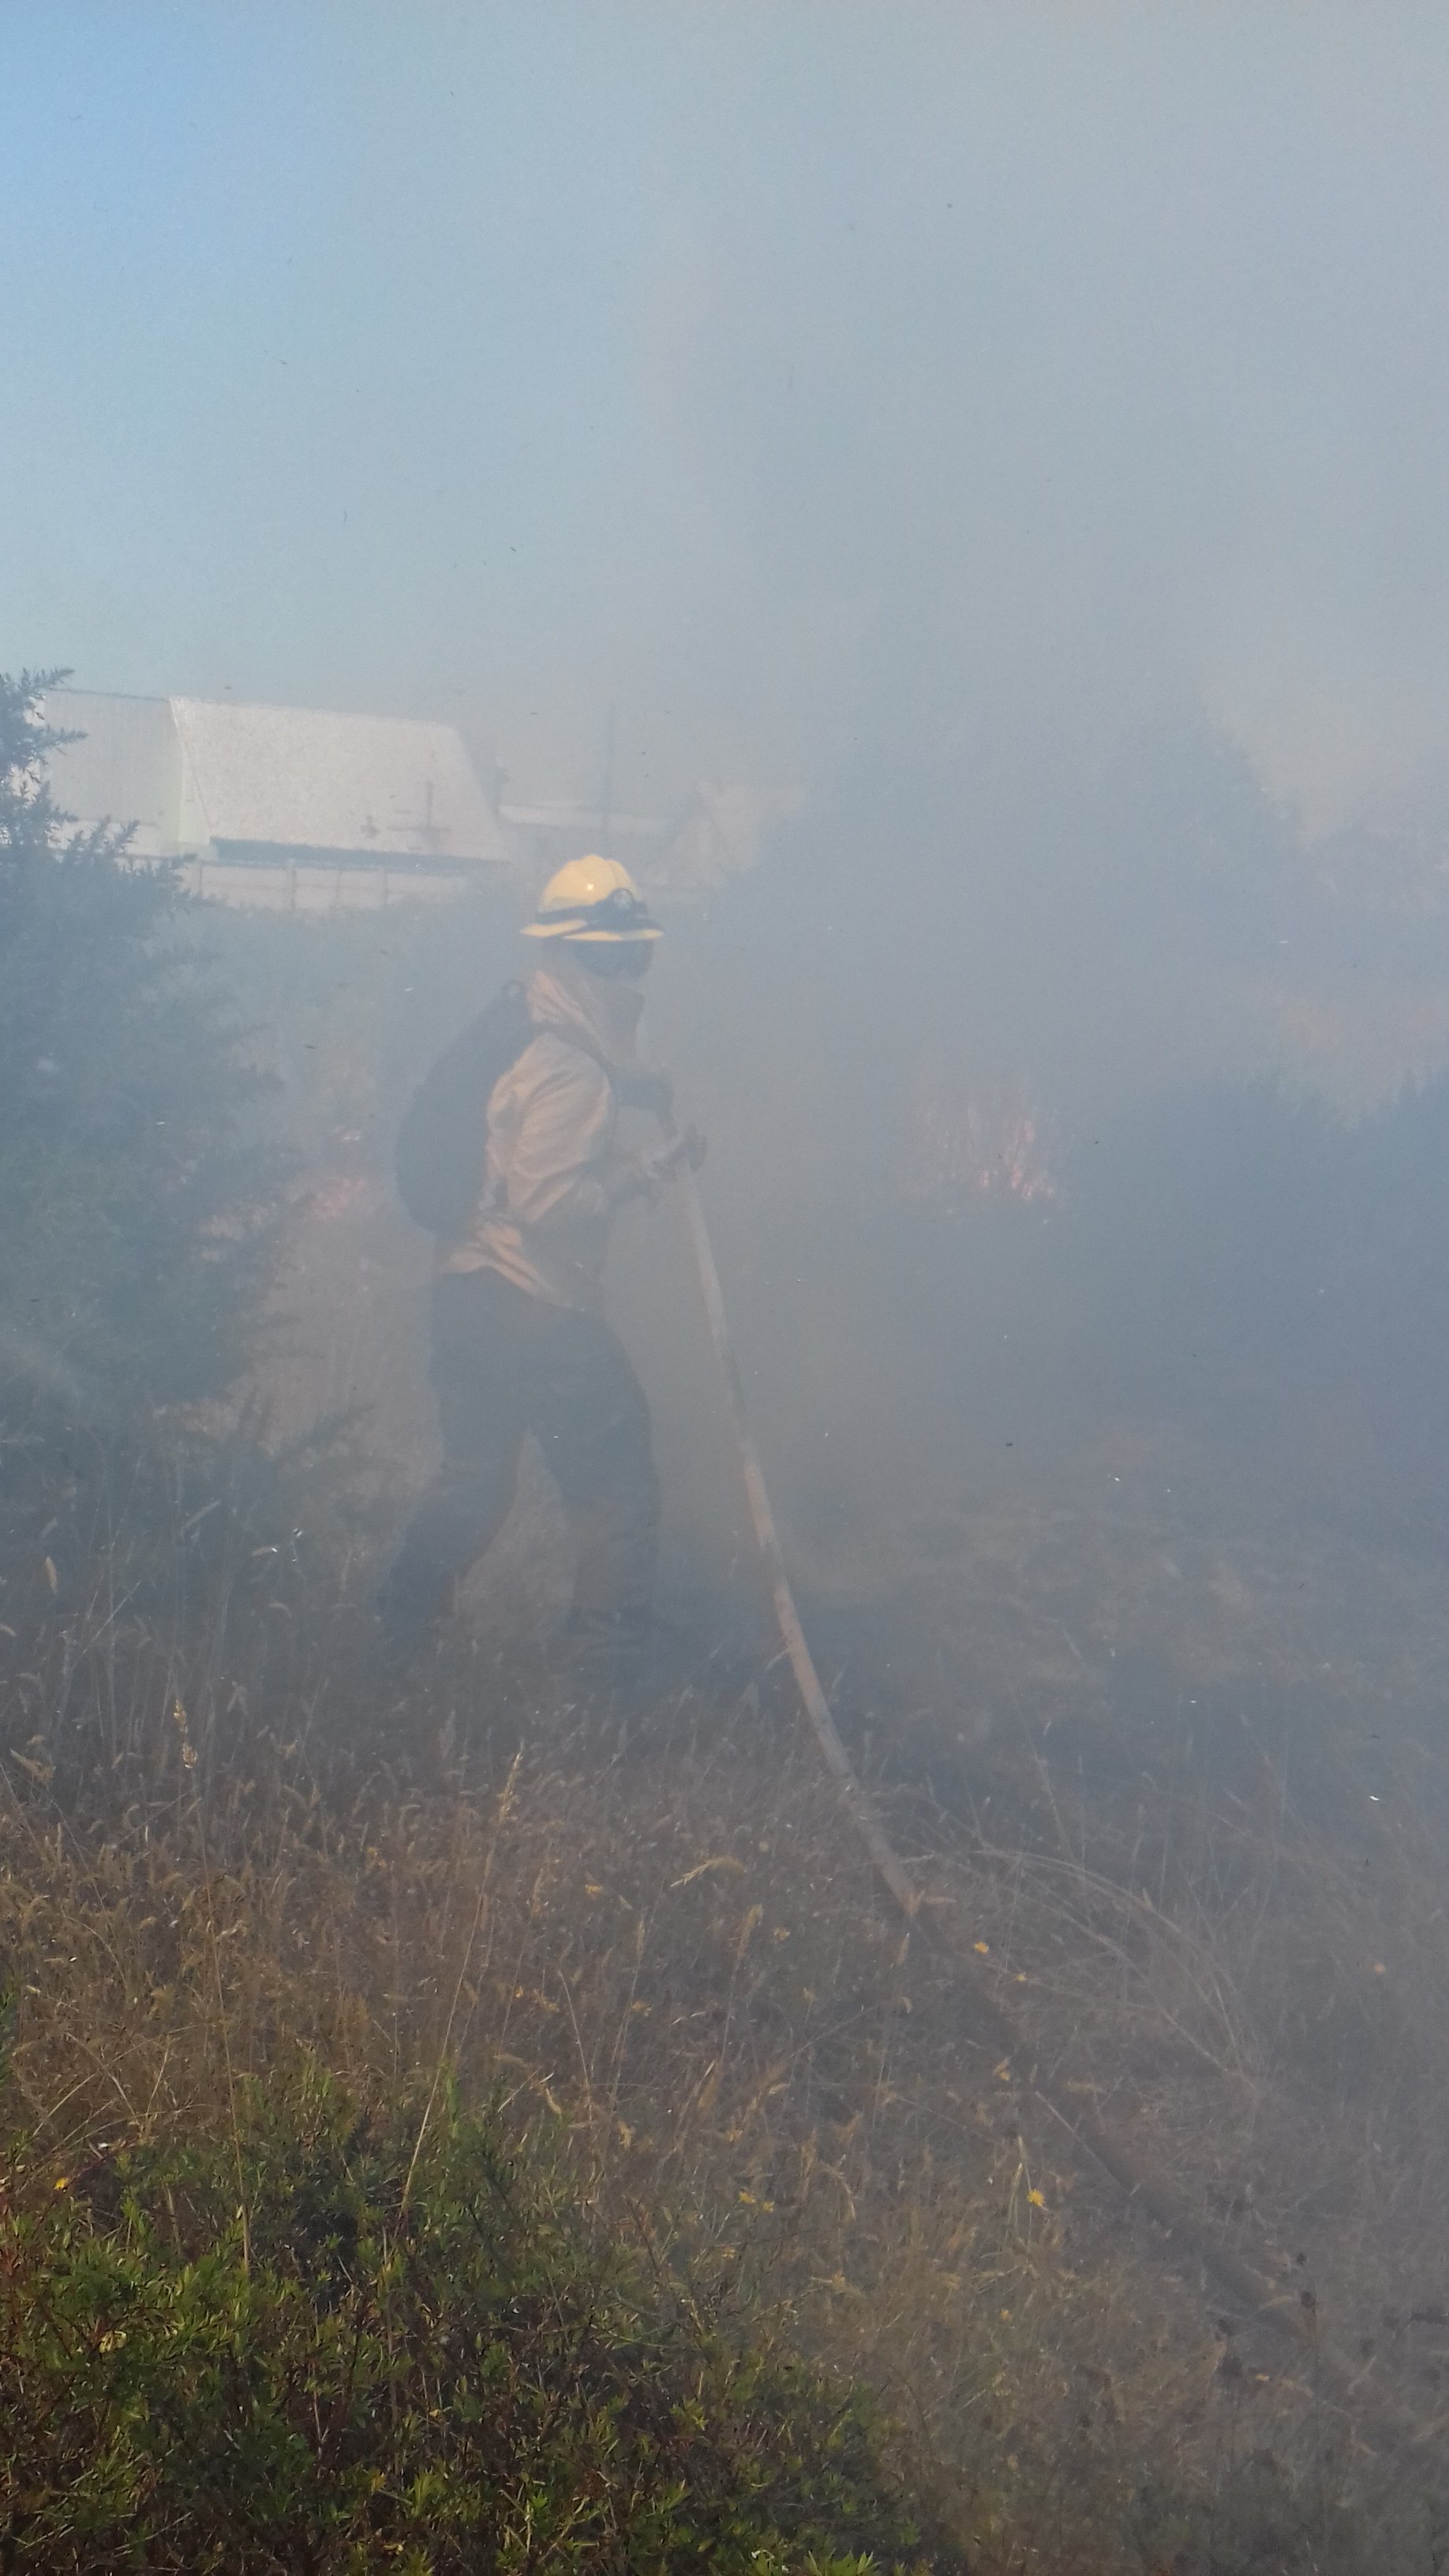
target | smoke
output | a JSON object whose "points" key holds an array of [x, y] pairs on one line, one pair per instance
{"points": [[808, 384], [1008, 441], [1004, 445]]}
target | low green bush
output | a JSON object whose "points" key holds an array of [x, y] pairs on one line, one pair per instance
{"points": [[329, 2340]]}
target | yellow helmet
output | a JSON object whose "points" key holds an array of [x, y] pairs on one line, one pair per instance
{"points": [[593, 899]]}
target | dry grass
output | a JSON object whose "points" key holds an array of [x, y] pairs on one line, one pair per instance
{"points": [[676, 1962], [1173, 1798]]}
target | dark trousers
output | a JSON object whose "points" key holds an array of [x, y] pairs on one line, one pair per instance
{"points": [[505, 1364]]}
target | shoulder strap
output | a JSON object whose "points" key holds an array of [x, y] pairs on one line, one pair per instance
{"points": [[569, 1036]]}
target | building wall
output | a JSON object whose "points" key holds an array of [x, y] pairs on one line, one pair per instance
{"points": [[127, 769], [263, 803]]}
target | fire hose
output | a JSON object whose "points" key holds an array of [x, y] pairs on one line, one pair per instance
{"points": [[1278, 2305]]}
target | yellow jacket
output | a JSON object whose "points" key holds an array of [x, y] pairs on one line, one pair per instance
{"points": [[555, 1177]]}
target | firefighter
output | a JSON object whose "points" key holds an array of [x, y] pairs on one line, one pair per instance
{"points": [[519, 1338]]}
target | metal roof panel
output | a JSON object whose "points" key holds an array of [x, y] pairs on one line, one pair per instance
{"points": [[305, 778]]}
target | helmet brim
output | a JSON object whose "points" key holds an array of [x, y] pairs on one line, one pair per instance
{"points": [[583, 936]]}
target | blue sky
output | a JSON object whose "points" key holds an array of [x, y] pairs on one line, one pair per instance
{"points": [[775, 373]]}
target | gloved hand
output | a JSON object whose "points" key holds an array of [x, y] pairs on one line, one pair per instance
{"points": [[685, 1154], [642, 1176]]}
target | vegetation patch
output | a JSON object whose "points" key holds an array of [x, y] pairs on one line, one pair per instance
{"points": [[339, 2340]]}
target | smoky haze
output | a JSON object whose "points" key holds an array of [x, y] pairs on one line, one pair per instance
{"points": [[1008, 446], [798, 382], [957, 498], [998, 451]]}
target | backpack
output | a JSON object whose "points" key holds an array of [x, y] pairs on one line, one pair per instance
{"points": [[442, 1144]]}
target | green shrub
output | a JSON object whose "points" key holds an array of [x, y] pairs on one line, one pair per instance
{"points": [[141, 1201], [331, 2341]]}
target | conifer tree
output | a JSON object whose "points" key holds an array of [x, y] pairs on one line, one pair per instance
{"points": [[138, 1208]]}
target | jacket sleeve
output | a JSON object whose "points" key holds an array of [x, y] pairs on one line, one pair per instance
{"points": [[557, 1163]]}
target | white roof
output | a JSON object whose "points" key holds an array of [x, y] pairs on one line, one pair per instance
{"points": [[299, 778]]}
